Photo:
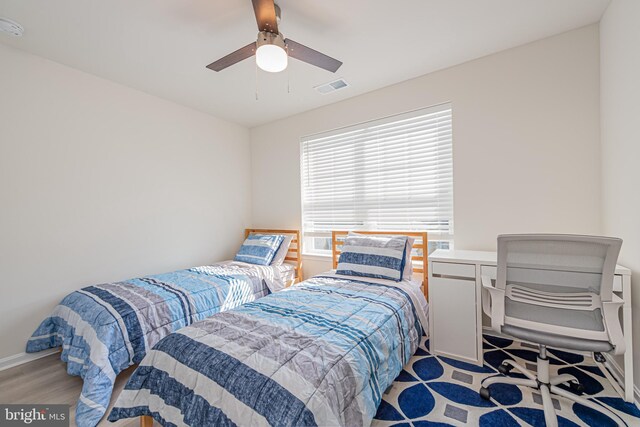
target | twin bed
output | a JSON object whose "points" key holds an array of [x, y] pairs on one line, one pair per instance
{"points": [[319, 353], [104, 329]]}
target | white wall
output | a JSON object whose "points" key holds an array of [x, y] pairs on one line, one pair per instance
{"points": [[620, 115], [526, 141], [99, 182]]}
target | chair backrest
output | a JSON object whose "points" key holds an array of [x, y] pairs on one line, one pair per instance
{"points": [[558, 263]]}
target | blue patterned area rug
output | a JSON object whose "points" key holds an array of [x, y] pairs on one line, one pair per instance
{"points": [[438, 391]]}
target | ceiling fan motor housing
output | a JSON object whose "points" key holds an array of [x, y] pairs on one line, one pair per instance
{"points": [[265, 37]]}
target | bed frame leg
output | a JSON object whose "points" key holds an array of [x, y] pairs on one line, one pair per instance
{"points": [[146, 421]]}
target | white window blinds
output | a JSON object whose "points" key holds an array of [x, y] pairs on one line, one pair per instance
{"points": [[393, 174]]}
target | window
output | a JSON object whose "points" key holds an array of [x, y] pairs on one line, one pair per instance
{"points": [[390, 174]]}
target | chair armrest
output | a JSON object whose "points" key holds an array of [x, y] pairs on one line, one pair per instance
{"points": [[486, 294], [493, 303], [612, 323], [486, 282]]}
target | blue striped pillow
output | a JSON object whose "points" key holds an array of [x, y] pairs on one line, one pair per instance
{"points": [[259, 248], [382, 257]]}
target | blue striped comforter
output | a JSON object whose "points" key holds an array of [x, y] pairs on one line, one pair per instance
{"points": [[320, 353], [104, 329]]}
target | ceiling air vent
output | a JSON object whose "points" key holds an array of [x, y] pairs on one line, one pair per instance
{"points": [[11, 27], [332, 86]]}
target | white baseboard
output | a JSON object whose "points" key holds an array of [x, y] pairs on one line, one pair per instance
{"points": [[22, 358], [618, 374]]}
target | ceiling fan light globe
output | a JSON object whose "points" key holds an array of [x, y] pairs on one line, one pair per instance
{"points": [[271, 58]]}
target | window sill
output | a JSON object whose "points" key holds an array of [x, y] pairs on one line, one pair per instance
{"points": [[317, 257]]}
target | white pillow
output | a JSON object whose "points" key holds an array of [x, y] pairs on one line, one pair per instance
{"points": [[281, 254], [407, 273]]}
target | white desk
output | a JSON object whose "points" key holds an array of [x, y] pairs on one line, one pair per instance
{"points": [[455, 308]]}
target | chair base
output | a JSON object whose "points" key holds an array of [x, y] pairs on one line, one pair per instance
{"points": [[547, 385]]}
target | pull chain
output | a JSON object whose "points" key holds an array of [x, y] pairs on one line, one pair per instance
{"points": [[256, 81], [288, 73]]}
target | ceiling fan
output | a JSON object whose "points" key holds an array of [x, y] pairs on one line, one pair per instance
{"points": [[271, 48]]}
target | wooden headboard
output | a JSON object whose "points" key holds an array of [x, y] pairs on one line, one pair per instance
{"points": [[420, 264], [294, 255]]}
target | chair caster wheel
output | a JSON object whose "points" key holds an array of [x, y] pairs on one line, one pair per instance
{"points": [[576, 387], [504, 368], [484, 393]]}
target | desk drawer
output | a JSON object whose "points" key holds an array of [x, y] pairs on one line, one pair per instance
{"points": [[489, 270], [453, 269], [617, 283]]}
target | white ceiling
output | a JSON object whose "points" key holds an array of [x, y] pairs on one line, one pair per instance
{"points": [[163, 46]]}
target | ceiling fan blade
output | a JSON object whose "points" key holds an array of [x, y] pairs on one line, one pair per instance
{"points": [[310, 56], [265, 11], [233, 57]]}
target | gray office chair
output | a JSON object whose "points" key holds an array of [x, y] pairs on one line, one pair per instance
{"points": [[556, 291]]}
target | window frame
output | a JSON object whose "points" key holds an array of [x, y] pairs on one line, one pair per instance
{"points": [[436, 239]]}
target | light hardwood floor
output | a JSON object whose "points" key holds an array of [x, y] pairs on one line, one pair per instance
{"points": [[45, 381]]}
